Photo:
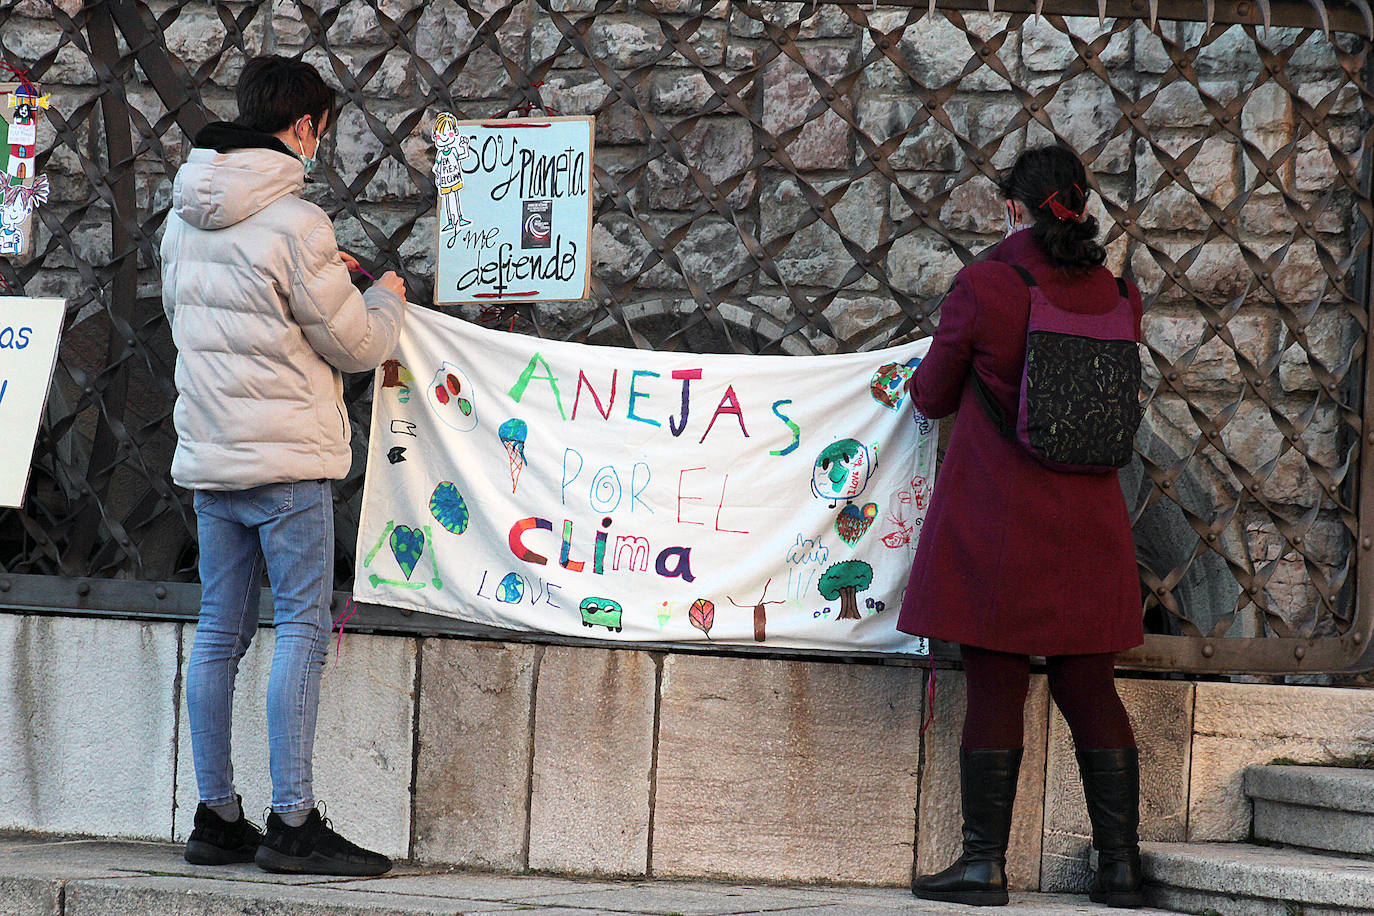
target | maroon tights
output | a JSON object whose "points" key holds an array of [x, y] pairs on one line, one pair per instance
{"points": [[1083, 688]]}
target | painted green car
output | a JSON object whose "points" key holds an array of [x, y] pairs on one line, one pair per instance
{"points": [[601, 612]]}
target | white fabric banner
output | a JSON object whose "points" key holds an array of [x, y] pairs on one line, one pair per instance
{"points": [[644, 496]]}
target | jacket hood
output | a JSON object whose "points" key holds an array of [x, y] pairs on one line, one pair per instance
{"points": [[233, 173]]}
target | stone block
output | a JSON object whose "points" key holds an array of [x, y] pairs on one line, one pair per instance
{"points": [[789, 97], [786, 771], [619, 248], [1085, 112], [922, 264], [720, 150], [1161, 716], [363, 738], [474, 751], [87, 732], [817, 21], [711, 252], [977, 205], [1236, 725], [1213, 367], [934, 52], [1045, 48], [990, 122], [681, 92], [816, 255], [1331, 98], [924, 143], [1210, 173], [854, 320], [1331, 337], [1150, 54], [1214, 272], [940, 818], [593, 756], [1290, 593]]}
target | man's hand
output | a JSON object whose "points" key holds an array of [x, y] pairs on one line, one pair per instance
{"points": [[391, 281], [350, 262]]}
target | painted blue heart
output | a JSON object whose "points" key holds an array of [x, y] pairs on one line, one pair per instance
{"points": [[407, 544]]}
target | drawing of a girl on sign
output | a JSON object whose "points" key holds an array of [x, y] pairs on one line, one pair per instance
{"points": [[452, 149]]}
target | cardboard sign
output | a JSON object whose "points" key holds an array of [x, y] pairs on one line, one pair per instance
{"points": [[515, 209], [29, 333], [634, 495]]}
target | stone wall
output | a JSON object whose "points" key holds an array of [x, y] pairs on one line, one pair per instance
{"points": [[591, 761], [1242, 243]]}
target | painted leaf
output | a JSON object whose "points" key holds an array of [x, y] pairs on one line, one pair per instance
{"points": [[702, 615]]}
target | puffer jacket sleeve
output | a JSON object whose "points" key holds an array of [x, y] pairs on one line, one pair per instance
{"points": [[168, 252], [351, 331]]}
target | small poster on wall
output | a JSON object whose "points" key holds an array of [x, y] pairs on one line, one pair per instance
{"points": [[515, 207], [29, 332], [21, 190]]}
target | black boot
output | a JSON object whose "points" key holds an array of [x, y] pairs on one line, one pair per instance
{"points": [[314, 848], [1111, 785], [987, 787], [215, 841]]}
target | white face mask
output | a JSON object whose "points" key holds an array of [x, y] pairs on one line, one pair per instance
{"points": [[1014, 225], [307, 161]]}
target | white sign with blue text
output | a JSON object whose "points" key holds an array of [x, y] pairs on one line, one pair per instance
{"points": [[515, 206], [635, 495], [29, 332]]}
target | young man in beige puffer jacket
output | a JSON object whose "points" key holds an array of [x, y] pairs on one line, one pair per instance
{"points": [[265, 318]]}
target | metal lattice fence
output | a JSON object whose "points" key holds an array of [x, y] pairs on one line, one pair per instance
{"points": [[781, 177]]}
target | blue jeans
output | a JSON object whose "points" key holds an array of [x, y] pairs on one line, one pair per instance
{"points": [[287, 529]]}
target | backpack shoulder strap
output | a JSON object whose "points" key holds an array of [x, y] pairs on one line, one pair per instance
{"points": [[980, 387], [990, 406], [1121, 288]]}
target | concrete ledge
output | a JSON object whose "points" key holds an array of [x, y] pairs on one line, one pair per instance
{"points": [[1242, 880], [54, 877]]}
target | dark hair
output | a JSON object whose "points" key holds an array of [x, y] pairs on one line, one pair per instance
{"points": [[1049, 174], [275, 92]]}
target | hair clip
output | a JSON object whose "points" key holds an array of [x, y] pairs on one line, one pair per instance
{"points": [[1061, 211]]}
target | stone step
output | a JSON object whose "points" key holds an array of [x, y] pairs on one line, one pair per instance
{"points": [[1327, 808], [1237, 879]]}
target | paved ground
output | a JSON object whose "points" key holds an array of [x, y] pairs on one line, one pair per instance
{"points": [[81, 877]]}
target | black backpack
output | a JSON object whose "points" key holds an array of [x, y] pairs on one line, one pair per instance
{"points": [[1080, 388]]}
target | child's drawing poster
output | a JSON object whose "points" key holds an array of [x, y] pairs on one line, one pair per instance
{"points": [[21, 190], [514, 213], [644, 496]]}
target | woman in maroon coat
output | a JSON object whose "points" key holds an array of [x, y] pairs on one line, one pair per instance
{"points": [[1017, 560]]}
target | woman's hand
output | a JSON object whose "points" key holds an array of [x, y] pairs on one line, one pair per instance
{"points": [[391, 281], [350, 262]]}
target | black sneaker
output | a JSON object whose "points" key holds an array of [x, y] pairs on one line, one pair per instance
{"points": [[314, 848], [215, 841]]}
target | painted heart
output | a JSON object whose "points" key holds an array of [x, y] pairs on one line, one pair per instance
{"points": [[854, 521], [407, 544]]}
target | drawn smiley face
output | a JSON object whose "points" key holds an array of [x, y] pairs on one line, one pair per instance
{"points": [[452, 398]]}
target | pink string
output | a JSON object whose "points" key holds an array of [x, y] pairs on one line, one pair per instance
{"points": [[338, 646], [930, 696]]}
